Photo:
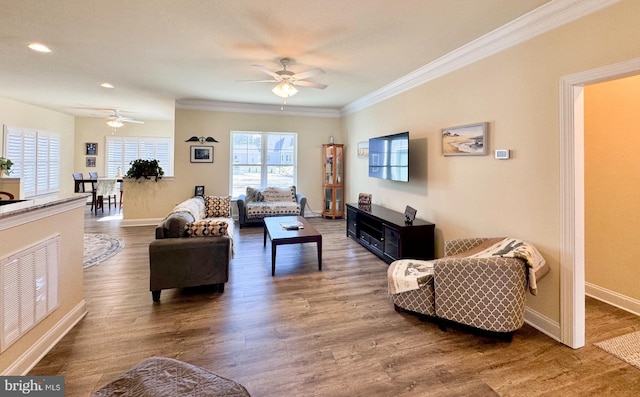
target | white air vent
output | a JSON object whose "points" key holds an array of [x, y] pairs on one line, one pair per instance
{"points": [[29, 289]]}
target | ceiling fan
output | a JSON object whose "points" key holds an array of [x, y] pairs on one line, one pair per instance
{"points": [[287, 80], [117, 120]]}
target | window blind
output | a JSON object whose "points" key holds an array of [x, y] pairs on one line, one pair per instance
{"points": [[36, 158], [123, 150]]}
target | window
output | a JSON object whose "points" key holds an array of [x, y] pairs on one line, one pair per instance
{"points": [[123, 150], [36, 158], [261, 159]]}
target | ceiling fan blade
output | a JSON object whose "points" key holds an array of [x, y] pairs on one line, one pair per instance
{"points": [[269, 72], [257, 81], [131, 121], [310, 84], [307, 74]]}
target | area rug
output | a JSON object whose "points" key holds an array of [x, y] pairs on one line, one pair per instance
{"points": [[625, 347], [100, 247]]}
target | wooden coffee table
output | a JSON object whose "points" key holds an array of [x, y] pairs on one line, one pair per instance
{"points": [[279, 235]]}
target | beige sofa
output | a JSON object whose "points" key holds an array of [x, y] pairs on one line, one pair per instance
{"points": [[257, 204], [484, 293], [193, 246]]}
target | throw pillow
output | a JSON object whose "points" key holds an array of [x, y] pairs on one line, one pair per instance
{"points": [[206, 228], [272, 194], [254, 195], [217, 207]]}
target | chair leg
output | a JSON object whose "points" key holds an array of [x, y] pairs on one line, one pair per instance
{"points": [[99, 204]]}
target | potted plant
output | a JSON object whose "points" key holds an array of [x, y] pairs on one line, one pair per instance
{"points": [[145, 169], [5, 166]]}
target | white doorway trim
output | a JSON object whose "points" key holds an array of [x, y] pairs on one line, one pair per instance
{"points": [[572, 245]]}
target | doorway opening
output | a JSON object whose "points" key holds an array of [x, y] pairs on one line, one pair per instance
{"points": [[572, 222]]}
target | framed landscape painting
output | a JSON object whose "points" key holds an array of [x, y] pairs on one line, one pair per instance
{"points": [[465, 140], [202, 154]]}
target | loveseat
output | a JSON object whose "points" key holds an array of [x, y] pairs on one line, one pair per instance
{"points": [[257, 204], [470, 287], [193, 245]]}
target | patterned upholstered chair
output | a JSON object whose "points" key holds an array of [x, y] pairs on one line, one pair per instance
{"points": [[484, 293]]}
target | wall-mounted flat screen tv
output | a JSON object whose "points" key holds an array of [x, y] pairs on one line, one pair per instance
{"points": [[389, 157]]}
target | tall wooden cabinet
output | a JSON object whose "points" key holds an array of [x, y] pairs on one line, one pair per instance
{"points": [[333, 181]]}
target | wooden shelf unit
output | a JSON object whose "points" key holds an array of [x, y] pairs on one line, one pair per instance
{"points": [[333, 181]]}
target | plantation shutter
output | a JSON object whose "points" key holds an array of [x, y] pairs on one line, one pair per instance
{"points": [[36, 158], [121, 151]]}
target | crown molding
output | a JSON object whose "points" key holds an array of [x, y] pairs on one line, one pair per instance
{"points": [[543, 19], [198, 104]]}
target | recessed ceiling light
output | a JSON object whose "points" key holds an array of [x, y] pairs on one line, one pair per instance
{"points": [[106, 85], [39, 47]]}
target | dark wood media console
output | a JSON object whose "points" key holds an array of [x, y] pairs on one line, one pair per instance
{"points": [[383, 232]]}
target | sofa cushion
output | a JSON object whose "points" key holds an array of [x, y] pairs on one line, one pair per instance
{"points": [[254, 195], [206, 228], [279, 208], [216, 206], [275, 194]]}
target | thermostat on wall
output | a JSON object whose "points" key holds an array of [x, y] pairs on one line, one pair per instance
{"points": [[503, 154]]}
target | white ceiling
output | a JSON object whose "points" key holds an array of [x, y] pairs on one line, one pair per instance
{"points": [[157, 51]]}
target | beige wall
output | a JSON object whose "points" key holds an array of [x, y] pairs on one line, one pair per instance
{"points": [[517, 92], [17, 114], [154, 200], [92, 129], [612, 185]]}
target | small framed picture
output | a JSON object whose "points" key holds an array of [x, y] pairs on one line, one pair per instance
{"points": [[409, 215], [363, 149], [202, 154], [91, 161], [91, 149], [199, 191], [466, 140]]}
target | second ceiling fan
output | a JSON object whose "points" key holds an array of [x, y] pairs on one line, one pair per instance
{"points": [[117, 120]]}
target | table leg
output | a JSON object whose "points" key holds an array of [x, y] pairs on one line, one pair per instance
{"points": [[273, 258], [319, 243], [265, 236]]}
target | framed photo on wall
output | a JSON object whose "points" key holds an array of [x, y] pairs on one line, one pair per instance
{"points": [[91, 149], [199, 191], [465, 140], [91, 162], [363, 149], [202, 154]]}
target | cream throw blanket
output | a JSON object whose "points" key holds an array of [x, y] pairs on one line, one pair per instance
{"points": [[195, 206], [409, 274]]}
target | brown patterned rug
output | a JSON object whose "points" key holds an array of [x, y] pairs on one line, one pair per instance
{"points": [[625, 347]]}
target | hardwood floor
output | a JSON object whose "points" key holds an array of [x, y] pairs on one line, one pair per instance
{"points": [[310, 333]]}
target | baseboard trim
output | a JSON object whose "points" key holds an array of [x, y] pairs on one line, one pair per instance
{"points": [[542, 323], [140, 222], [38, 350], [613, 298]]}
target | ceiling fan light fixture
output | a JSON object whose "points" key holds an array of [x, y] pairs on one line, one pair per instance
{"points": [[114, 123], [39, 47], [284, 89]]}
